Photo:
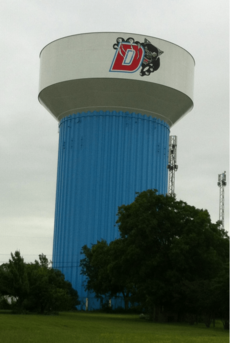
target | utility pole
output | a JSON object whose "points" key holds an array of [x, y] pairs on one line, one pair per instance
{"points": [[172, 166], [221, 183]]}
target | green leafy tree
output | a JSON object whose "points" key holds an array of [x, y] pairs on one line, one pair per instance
{"points": [[220, 295], [169, 242], [14, 279], [169, 253], [36, 286], [103, 266]]}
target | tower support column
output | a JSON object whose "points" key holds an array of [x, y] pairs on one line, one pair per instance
{"points": [[104, 159]]}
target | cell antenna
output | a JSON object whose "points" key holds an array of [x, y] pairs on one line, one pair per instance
{"points": [[172, 166], [221, 183]]}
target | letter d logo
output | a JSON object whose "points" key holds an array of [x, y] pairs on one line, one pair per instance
{"points": [[128, 58]]}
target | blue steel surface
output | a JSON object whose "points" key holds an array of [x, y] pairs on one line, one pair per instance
{"points": [[103, 159]]}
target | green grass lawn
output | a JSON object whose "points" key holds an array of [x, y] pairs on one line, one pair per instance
{"points": [[98, 327]]}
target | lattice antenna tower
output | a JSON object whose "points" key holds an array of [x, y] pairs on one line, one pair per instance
{"points": [[221, 183], [172, 166]]}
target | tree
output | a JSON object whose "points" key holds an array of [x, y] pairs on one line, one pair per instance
{"points": [[169, 243], [102, 268], [14, 280], [94, 266], [220, 295], [166, 245], [36, 286]]}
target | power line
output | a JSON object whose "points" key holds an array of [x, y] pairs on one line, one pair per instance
{"points": [[25, 236]]}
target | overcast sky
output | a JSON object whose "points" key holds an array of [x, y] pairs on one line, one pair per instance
{"points": [[29, 134]]}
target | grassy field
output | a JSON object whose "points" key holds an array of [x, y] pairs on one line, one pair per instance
{"points": [[83, 327]]}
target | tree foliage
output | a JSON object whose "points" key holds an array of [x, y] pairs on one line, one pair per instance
{"points": [[36, 286], [102, 265], [170, 258]]}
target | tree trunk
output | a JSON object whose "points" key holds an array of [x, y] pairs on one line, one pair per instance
{"points": [[214, 322], [156, 313], [127, 303], [207, 320], [126, 300], [191, 319], [225, 324]]}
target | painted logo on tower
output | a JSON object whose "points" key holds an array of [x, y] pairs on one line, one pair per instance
{"points": [[132, 55]]}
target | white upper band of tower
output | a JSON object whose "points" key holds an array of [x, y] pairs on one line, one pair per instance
{"points": [[77, 74]]}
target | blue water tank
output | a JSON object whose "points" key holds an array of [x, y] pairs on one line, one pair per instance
{"points": [[104, 159]]}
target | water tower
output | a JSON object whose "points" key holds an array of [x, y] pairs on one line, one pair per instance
{"points": [[115, 96]]}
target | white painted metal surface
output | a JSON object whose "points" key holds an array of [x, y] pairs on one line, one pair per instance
{"points": [[81, 73]]}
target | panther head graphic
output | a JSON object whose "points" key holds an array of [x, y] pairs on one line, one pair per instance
{"points": [[151, 60]]}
